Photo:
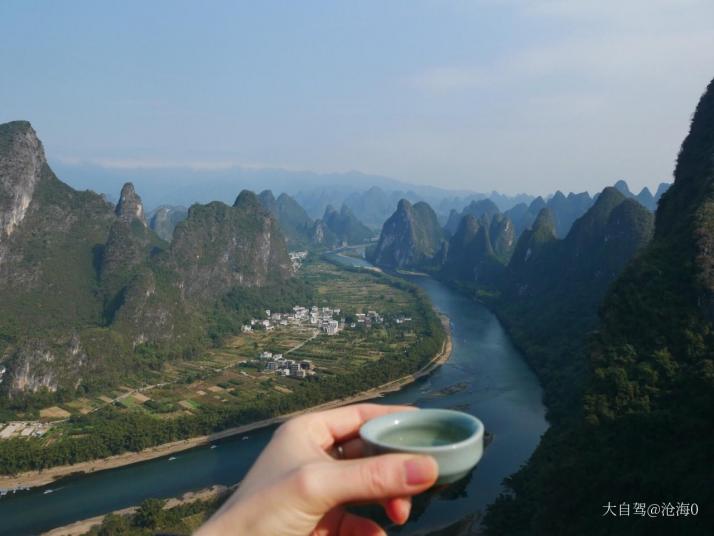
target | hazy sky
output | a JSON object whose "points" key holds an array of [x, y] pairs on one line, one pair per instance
{"points": [[481, 94]]}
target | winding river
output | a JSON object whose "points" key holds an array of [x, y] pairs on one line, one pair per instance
{"points": [[486, 376]]}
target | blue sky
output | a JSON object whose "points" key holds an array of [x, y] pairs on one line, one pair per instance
{"points": [[482, 94]]}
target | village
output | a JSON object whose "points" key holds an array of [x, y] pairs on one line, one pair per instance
{"points": [[312, 321], [297, 258], [24, 429], [326, 320], [271, 353]]}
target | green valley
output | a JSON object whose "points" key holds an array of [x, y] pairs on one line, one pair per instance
{"points": [[389, 330]]}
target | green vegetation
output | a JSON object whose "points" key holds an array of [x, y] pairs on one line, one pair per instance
{"points": [[345, 227], [409, 238], [57, 276], [214, 390], [301, 231], [550, 294], [241, 304], [92, 298], [153, 517], [483, 209], [294, 222], [470, 254], [642, 432]]}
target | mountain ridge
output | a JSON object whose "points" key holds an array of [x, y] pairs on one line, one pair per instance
{"points": [[642, 429], [88, 286], [411, 236]]}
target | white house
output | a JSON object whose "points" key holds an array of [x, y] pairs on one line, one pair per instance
{"points": [[331, 327]]}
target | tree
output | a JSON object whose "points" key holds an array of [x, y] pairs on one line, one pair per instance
{"points": [[114, 525], [150, 513]]}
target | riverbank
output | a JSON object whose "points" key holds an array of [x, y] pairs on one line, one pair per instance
{"points": [[41, 478], [85, 525]]}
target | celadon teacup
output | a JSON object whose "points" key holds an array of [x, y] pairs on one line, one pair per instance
{"points": [[453, 438]]}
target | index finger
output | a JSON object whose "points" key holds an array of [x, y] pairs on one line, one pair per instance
{"points": [[344, 423]]}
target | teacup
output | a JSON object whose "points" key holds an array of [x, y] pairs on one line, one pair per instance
{"points": [[453, 438]]}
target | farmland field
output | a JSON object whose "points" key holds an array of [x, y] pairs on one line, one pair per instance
{"points": [[232, 375]]}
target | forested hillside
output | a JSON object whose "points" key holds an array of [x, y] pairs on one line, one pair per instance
{"points": [[642, 432], [90, 293], [549, 295], [409, 238]]}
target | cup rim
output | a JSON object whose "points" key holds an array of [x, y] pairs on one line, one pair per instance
{"points": [[368, 431]]}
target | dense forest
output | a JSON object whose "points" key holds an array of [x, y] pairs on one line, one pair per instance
{"points": [[641, 433]]}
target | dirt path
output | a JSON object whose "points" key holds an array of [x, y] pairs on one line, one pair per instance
{"points": [[41, 478], [303, 343]]}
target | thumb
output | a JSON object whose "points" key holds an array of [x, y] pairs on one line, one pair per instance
{"points": [[324, 485]]}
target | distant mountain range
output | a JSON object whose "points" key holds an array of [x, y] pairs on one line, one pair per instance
{"points": [[335, 228], [372, 198], [545, 288], [477, 240], [367, 210], [552, 288], [184, 186]]}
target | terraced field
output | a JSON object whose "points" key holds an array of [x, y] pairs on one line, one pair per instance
{"points": [[232, 374]]}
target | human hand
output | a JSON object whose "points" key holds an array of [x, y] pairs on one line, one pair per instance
{"points": [[296, 487]]}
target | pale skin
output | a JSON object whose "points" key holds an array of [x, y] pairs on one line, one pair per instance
{"points": [[298, 487]]}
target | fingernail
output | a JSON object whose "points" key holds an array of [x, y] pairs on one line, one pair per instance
{"points": [[418, 471]]}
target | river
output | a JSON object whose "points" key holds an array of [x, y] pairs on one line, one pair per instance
{"points": [[485, 376]]}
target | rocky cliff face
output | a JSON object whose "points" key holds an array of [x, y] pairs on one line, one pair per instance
{"points": [[321, 234], [130, 208], [409, 238], [469, 253], [50, 255], [484, 208], [22, 161], [50, 245], [45, 365], [219, 246], [130, 246], [502, 235], [595, 250], [452, 221], [481, 245], [532, 243], [345, 227], [523, 215], [295, 224], [565, 210], [84, 283], [685, 216]]}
